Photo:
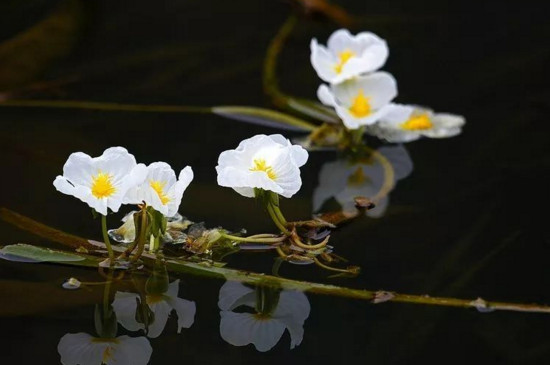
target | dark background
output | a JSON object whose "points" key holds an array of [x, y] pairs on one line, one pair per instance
{"points": [[470, 220]]}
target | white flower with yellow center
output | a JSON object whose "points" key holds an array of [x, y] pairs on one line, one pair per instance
{"points": [[161, 189], [344, 181], [125, 307], [361, 101], [347, 56], [263, 330], [101, 182], [262, 162], [407, 123], [83, 349]]}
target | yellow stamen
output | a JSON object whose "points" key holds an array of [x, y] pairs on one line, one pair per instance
{"points": [[358, 177], [102, 187], [158, 186], [154, 298], [361, 106], [418, 122], [261, 165], [107, 355], [262, 316], [343, 58]]}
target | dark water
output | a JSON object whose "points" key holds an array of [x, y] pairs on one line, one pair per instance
{"points": [[469, 221]]}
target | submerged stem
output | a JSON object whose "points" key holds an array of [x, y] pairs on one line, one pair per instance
{"points": [[106, 240], [247, 277], [255, 239]]}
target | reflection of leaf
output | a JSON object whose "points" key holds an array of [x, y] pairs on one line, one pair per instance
{"points": [[264, 117], [31, 253], [29, 53]]}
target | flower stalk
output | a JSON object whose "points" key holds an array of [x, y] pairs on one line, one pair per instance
{"points": [[106, 240]]}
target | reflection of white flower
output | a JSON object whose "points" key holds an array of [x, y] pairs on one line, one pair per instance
{"points": [[406, 123], [263, 330], [160, 189], [101, 182], [344, 180], [83, 349], [264, 162], [347, 56], [125, 306], [361, 101]]}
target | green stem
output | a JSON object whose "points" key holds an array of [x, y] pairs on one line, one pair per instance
{"points": [[106, 240], [254, 240], [275, 218], [142, 233]]}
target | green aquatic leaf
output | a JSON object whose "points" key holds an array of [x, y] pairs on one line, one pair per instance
{"points": [[30, 253], [266, 117]]}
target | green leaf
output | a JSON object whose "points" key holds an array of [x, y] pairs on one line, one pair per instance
{"points": [[313, 110], [29, 253], [266, 117]]}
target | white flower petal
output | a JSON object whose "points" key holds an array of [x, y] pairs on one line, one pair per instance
{"points": [[161, 311], [322, 61], [79, 169], [125, 307], [185, 309], [339, 41], [293, 303], [80, 349], [400, 160], [324, 94], [279, 170], [241, 329], [131, 351], [397, 114], [230, 293]]}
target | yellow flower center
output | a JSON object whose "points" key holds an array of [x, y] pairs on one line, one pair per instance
{"points": [[261, 165], [360, 106], [107, 354], [154, 298], [418, 122], [102, 187], [358, 177], [158, 186], [343, 58]]}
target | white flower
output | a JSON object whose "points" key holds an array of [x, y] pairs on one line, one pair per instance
{"points": [[160, 189], [125, 306], [407, 123], [101, 182], [263, 330], [344, 180], [264, 162], [347, 56], [361, 101], [83, 349]]}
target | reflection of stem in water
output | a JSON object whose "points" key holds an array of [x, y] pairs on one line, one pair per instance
{"points": [[107, 291], [247, 277], [389, 175], [106, 240]]}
